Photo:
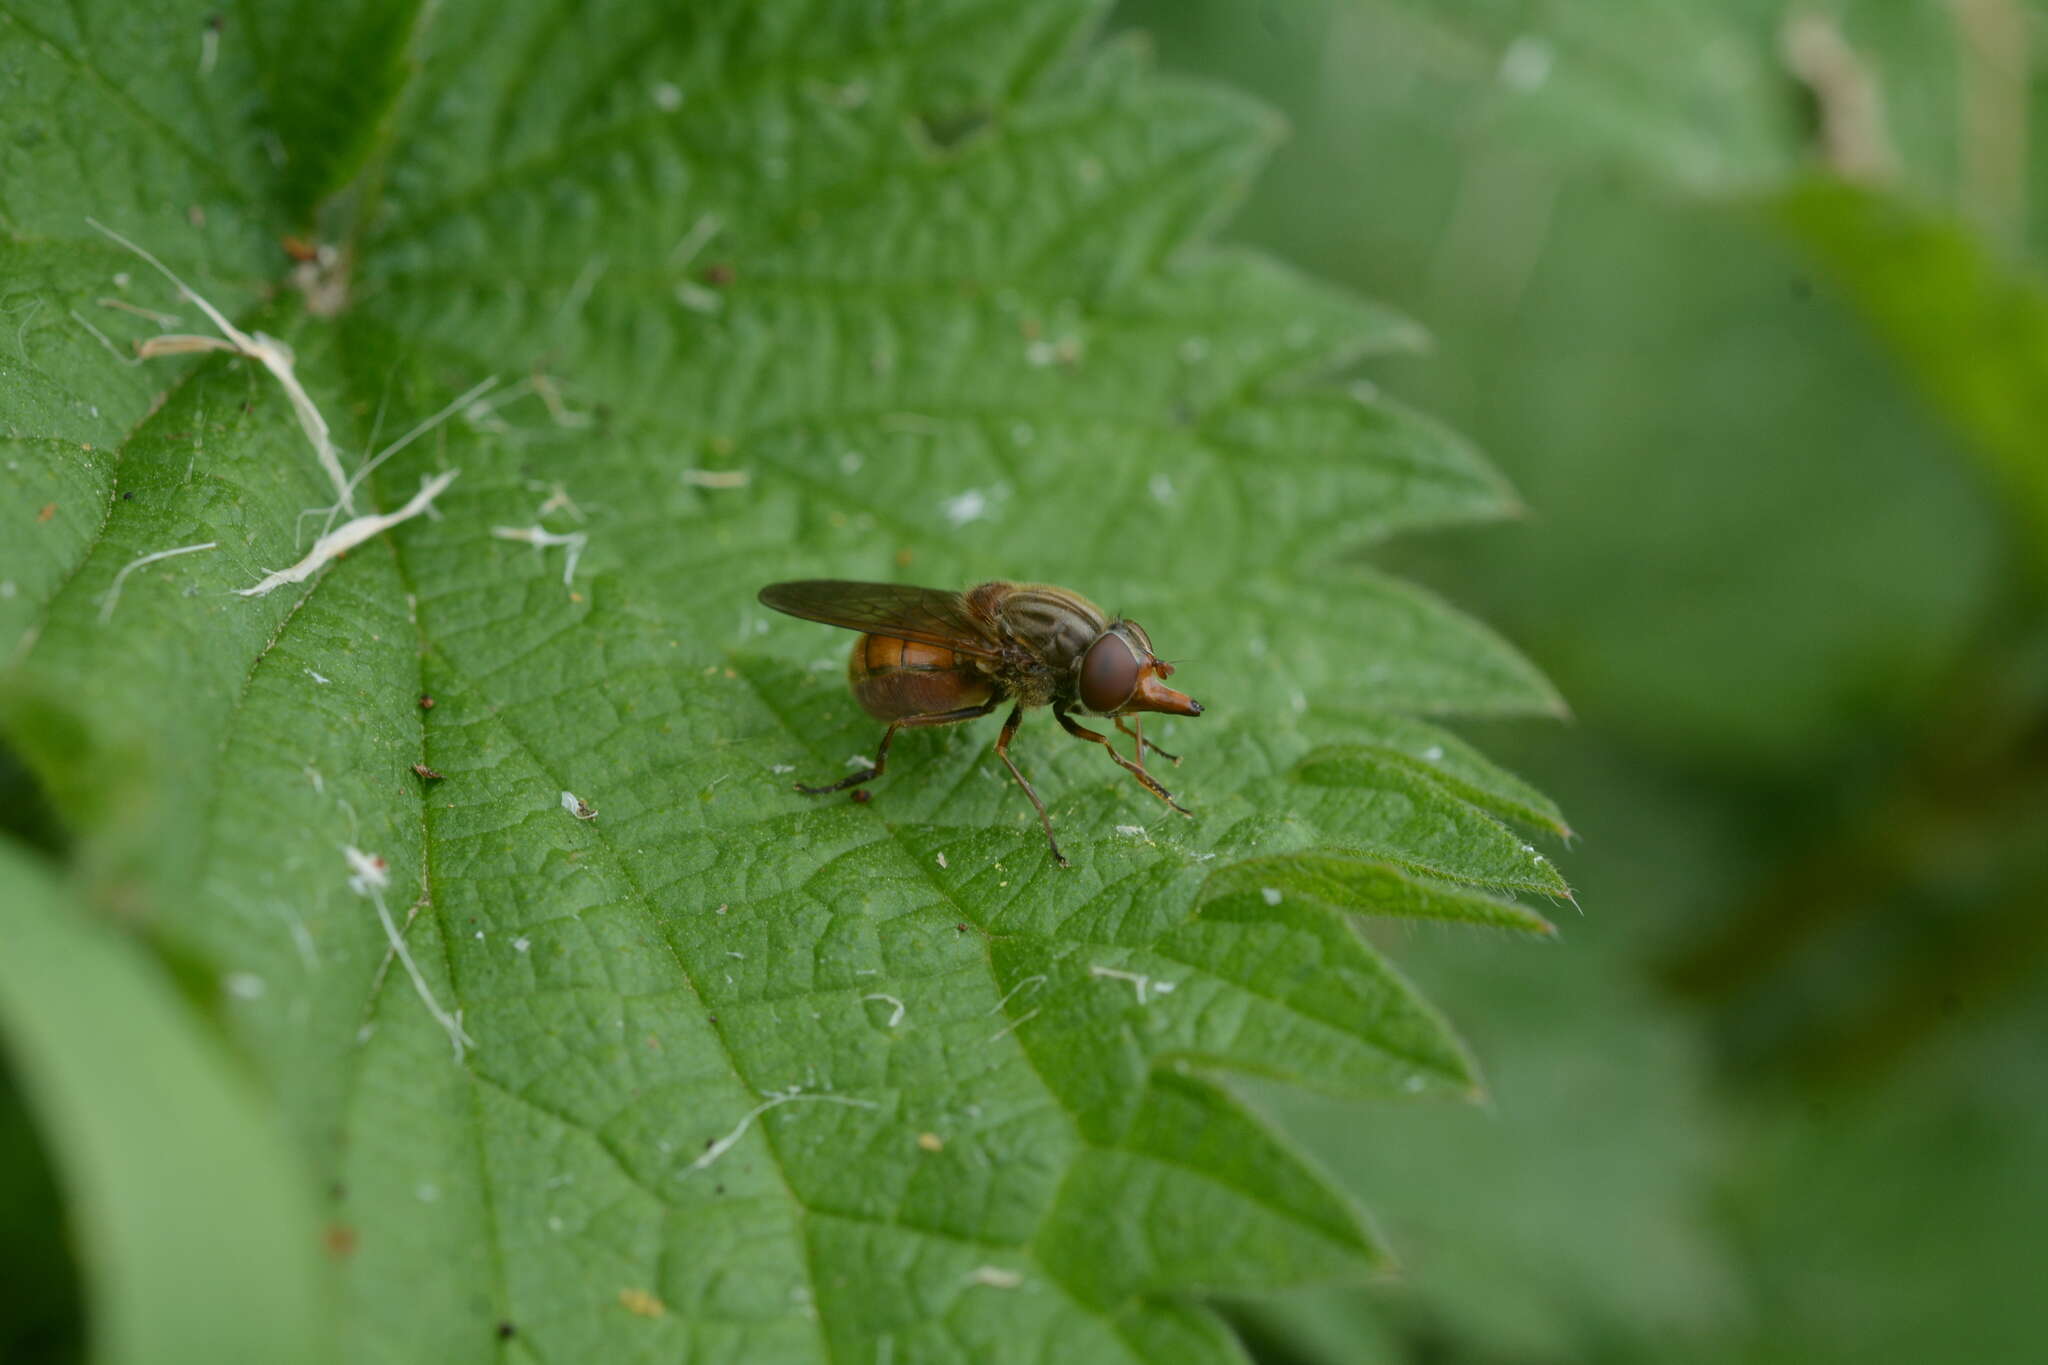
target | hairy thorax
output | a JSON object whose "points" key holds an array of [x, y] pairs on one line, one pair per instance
{"points": [[1043, 631]]}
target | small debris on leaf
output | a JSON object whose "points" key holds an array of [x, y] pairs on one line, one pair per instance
{"points": [[717, 478], [643, 1303]]}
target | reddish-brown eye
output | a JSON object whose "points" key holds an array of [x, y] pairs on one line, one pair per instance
{"points": [[1109, 674]]}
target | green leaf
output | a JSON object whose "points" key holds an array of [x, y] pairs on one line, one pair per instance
{"points": [[1449, 761], [676, 1060], [1889, 141], [1373, 888], [1921, 97], [1971, 330], [189, 1213], [1688, 93], [1489, 1209]]}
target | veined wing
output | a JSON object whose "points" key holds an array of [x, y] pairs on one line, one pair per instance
{"points": [[895, 609]]}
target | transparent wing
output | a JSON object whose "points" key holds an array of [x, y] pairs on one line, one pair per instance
{"points": [[926, 614]]}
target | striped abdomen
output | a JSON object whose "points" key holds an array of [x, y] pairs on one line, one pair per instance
{"points": [[892, 678]]}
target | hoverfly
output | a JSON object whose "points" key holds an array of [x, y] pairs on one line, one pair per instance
{"points": [[927, 657]]}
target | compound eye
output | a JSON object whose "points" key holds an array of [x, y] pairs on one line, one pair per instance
{"points": [[1109, 674]]}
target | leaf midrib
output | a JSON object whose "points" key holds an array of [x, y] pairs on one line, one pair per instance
{"points": [[645, 910], [486, 1188]]}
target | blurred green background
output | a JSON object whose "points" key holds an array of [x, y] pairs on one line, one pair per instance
{"points": [[1744, 297]]}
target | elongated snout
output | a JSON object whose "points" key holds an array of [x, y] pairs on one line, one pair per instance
{"points": [[1154, 695]]}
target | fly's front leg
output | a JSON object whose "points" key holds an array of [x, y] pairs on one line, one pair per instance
{"points": [[1151, 783], [1136, 731], [1003, 752], [882, 750]]}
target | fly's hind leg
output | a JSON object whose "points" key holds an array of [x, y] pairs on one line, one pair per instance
{"points": [[1003, 752], [882, 750], [1136, 730], [1151, 783]]}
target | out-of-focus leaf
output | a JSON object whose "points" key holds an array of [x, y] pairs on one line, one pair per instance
{"points": [[1972, 332], [1935, 100], [1569, 1215], [1837, 1204], [189, 1212]]}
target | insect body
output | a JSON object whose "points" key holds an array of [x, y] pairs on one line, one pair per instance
{"points": [[927, 657]]}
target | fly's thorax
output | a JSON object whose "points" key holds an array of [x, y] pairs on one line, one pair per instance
{"points": [[1054, 624]]}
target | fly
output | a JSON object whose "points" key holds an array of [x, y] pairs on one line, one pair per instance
{"points": [[929, 657]]}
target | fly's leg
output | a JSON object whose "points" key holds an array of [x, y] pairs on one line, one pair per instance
{"points": [[882, 750], [1003, 752], [1151, 783], [1136, 731]]}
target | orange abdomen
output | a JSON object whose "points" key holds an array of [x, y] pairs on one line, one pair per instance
{"points": [[892, 678]]}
